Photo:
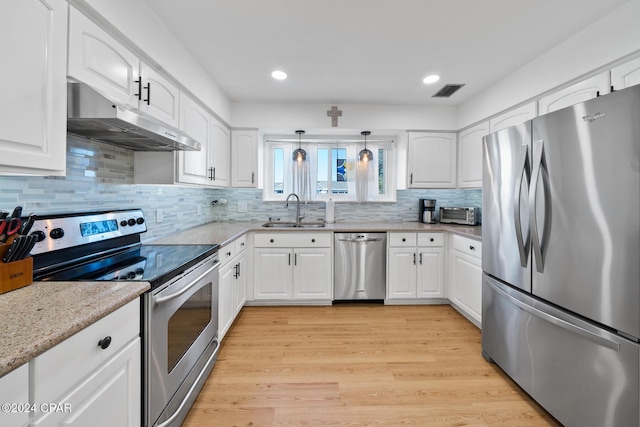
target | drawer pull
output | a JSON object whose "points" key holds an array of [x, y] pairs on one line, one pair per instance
{"points": [[105, 342], [431, 239], [271, 240], [472, 248], [229, 253], [242, 244], [404, 239], [313, 240]]}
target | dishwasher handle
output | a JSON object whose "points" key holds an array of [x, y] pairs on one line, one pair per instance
{"points": [[360, 239]]}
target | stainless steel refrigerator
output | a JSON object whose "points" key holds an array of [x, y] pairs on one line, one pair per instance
{"points": [[561, 259]]}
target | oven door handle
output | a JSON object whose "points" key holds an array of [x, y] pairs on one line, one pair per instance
{"points": [[182, 291]]}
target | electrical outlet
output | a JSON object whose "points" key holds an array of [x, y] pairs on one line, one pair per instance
{"points": [[242, 206], [159, 215]]}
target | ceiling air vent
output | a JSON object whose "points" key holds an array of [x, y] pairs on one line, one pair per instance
{"points": [[447, 91]]}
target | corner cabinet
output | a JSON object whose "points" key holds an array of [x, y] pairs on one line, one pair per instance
{"points": [[415, 266], [293, 266], [432, 160], [244, 158], [470, 156], [88, 379], [208, 167], [33, 121], [465, 277]]}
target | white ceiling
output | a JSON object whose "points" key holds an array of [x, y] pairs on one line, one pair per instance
{"points": [[369, 51]]}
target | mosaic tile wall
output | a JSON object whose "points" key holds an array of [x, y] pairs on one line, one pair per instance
{"points": [[100, 177]]}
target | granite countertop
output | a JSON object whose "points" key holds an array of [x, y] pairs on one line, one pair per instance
{"points": [[39, 316], [225, 232]]}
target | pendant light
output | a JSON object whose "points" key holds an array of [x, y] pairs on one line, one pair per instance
{"points": [[365, 155], [299, 154]]}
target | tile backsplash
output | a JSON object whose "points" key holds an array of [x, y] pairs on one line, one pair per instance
{"points": [[100, 177]]}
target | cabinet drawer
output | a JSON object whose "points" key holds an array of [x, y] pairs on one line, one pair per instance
{"points": [[402, 239], [467, 246], [293, 240], [241, 243], [226, 253], [430, 239], [60, 368]]}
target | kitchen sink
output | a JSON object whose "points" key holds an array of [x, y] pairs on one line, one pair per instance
{"points": [[279, 224]]}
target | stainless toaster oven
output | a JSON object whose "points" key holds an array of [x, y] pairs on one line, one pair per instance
{"points": [[463, 215]]}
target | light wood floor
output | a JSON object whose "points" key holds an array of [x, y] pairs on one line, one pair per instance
{"points": [[358, 365]]}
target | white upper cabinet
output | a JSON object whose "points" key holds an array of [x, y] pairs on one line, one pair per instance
{"points": [[579, 92], [470, 156], [513, 117], [626, 75], [33, 111], [99, 60], [219, 175], [160, 97], [244, 158], [193, 166], [432, 160]]}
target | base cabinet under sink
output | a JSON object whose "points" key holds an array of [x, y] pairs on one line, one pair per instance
{"points": [[293, 267]]}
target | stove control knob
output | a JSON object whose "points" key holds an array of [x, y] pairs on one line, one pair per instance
{"points": [[140, 221], [40, 235], [56, 233], [132, 222], [139, 271], [123, 223], [131, 275]]}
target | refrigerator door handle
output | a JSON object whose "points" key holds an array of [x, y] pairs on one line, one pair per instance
{"points": [[540, 169], [557, 321], [525, 173]]}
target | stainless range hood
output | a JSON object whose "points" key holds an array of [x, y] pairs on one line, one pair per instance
{"points": [[91, 115]]}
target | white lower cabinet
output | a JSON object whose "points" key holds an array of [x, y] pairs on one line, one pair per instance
{"points": [[293, 267], [232, 283], [14, 391], [83, 381], [465, 285], [415, 266]]}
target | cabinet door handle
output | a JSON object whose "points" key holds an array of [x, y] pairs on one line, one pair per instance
{"points": [[420, 258], [105, 342], [289, 259], [295, 259], [210, 174], [414, 258], [148, 88], [253, 177], [139, 94], [411, 178]]}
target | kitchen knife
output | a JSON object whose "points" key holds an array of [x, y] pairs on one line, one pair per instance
{"points": [[25, 248], [17, 212], [11, 253], [26, 226]]}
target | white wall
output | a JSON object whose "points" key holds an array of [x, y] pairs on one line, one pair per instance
{"points": [[596, 47], [281, 116], [138, 22]]}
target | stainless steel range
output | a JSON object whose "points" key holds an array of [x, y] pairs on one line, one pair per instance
{"points": [[179, 313]]}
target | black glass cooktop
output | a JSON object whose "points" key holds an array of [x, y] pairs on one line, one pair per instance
{"points": [[150, 263]]}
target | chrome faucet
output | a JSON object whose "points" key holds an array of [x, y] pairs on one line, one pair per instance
{"points": [[298, 217]]}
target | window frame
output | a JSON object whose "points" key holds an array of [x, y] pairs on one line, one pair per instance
{"points": [[390, 179]]}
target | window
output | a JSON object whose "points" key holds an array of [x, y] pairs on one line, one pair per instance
{"points": [[332, 168]]}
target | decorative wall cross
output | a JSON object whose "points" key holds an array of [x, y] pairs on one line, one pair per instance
{"points": [[334, 113]]}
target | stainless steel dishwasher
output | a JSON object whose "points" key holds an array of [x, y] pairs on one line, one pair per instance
{"points": [[360, 266]]}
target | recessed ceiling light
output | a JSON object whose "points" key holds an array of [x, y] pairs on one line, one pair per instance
{"points": [[431, 79], [279, 75]]}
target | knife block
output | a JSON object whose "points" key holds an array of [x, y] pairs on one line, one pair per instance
{"points": [[14, 275]]}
